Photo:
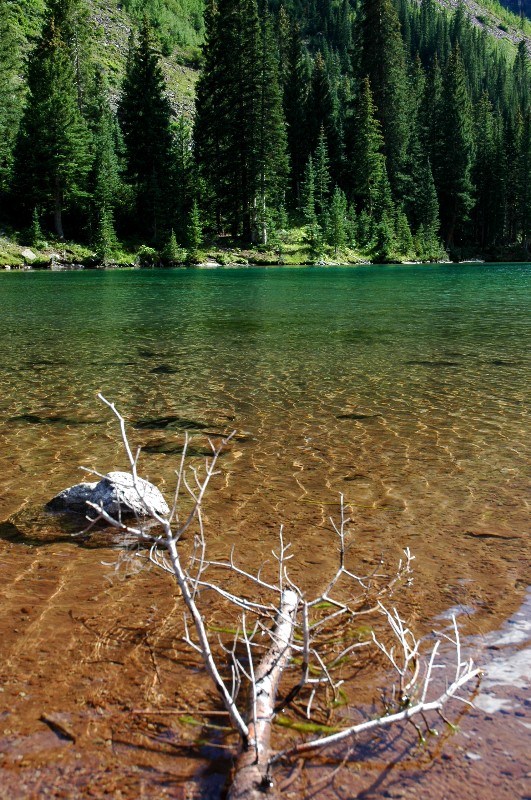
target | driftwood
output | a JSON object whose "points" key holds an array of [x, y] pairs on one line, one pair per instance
{"points": [[287, 631]]}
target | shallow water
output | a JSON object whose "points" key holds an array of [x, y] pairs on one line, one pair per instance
{"points": [[403, 388]]}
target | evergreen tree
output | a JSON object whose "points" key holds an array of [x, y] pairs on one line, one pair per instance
{"points": [[308, 192], [194, 232], [454, 151], [295, 93], [73, 18], [106, 174], [105, 237], [366, 230], [171, 253], [428, 119], [484, 176], [185, 180], [322, 172], [322, 112], [382, 199], [239, 131], [522, 77], [53, 148], [145, 117], [367, 142], [35, 235], [383, 62], [385, 243], [336, 229], [523, 173], [10, 94], [404, 239], [313, 233], [273, 168]]}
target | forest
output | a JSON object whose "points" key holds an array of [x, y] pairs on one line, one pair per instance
{"points": [[382, 130]]}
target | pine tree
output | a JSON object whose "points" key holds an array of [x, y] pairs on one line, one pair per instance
{"points": [[522, 77], [483, 174], [336, 229], [454, 149], [73, 18], [53, 148], [322, 112], [404, 239], [194, 232], [308, 192], [313, 233], [428, 119], [523, 173], [35, 235], [105, 237], [295, 93], [272, 142], [185, 180], [239, 130], [10, 94], [366, 146], [145, 118], [382, 199], [322, 172], [106, 173], [171, 252], [385, 243], [383, 62], [366, 230]]}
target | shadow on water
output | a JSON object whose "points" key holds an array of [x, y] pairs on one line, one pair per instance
{"points": [[34, 526], [39, 419], [173, 422]]}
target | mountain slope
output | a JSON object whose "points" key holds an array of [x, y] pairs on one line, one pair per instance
{"points": [[180, 28]]}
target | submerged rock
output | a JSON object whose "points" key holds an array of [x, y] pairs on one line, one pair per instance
{"points": [[115, 493]]}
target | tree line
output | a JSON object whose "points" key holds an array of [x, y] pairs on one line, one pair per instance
{"points": [[390, 127]]}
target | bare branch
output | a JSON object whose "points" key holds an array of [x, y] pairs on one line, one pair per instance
{"points": [[322, 635]]}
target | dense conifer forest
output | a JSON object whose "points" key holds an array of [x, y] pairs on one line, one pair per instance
{"points": [[339, 130]]}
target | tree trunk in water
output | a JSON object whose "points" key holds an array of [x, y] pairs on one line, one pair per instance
{"points": [[251, 779]]}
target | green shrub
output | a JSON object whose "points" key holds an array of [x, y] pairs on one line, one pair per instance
{"points": [[147, 257]]}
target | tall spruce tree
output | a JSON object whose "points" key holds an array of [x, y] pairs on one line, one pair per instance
{"points": [[239, 132], [383, 62], [145, 117], [523, 173], [53, 154], [367, 160], [106, 171], [273, 167], [322, 171], [336, 230], [454, 149], [10, 93], [522, 77], [294, 99], [483, 173], [73, 18]]}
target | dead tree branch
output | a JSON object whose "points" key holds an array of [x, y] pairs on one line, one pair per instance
{"points": [[291, 636]]}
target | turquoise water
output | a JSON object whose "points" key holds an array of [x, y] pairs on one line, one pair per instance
{"points": [[402, 387]]}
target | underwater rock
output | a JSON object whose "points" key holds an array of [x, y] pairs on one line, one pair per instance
{"points": [[115, 493]]}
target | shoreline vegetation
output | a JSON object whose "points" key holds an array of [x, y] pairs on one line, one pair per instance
{"points": [[343, 133], [59, 256]]}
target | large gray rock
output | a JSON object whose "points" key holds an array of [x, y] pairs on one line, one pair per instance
{"points": [[115, 493]]}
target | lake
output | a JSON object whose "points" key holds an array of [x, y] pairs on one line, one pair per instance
{"points": [[402, 388]]}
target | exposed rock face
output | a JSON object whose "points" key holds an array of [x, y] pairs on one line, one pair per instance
{"points": [[115, 493]]}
